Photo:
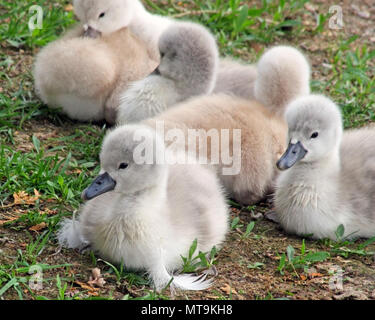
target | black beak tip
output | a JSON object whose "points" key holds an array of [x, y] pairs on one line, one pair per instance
{"points": [[281, 166], [92, 33]]}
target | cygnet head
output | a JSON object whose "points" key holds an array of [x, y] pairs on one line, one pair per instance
{"points": [[129, 162], [104, 17], [188, 56], [315, 131]]}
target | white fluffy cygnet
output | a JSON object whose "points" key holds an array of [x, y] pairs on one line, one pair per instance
{"points": [[188, 67], [330, 179], [86, 76], [104, 17], [145, 213]]}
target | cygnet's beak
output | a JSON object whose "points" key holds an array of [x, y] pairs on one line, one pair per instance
{"points": [[156, 72], [292, 155], [102, 184], [91, 32]]}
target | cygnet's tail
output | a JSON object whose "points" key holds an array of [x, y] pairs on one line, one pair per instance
{"points": [[70, 235], [283, 75]]}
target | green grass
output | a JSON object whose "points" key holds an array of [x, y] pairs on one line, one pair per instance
{"points": [[351, 82], [15, 30], [236, 24], [61, 166], [196, 261], [304, 260]]}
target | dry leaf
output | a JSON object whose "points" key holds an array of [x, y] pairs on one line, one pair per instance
{"points": [[38, 227], [22, 197], [315, 275], [2, 222], [227, 289], [22, 245], [91, 290], [48, 211], [96, 278], [303, 277], [68, 7]]}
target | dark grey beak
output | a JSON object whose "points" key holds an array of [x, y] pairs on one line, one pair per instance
{"points": [[92, 33], [102, 184], [156, 72], [292, 155]]}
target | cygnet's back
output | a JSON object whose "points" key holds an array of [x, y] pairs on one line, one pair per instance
{"points": [[236, 78]]}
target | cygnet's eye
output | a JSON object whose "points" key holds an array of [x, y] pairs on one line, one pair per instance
{"points": [[314, 135], [162, 54], [123, 165], [173, 55], [101, 15]]}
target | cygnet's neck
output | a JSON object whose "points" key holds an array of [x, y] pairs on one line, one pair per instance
{"points": [[146, 26], [186, 91], [328, 167], [199, 84], [140, 201]]}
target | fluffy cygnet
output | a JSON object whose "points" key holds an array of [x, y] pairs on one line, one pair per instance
{"points": [[189, 58], [104, 17], [262, 127], [331, 176], [146, 213], [85, 76]]}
